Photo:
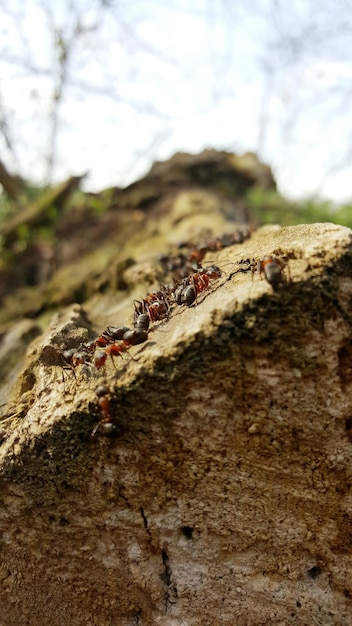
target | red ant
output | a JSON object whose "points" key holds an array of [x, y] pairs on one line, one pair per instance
{"points": [[204, 275], [197, 251], [100, 358], [130, 338], [157, 310], [104, 405], [272, 268], [79, 356], [187, 292], [114, 349], [76, 356], [155, 306]]}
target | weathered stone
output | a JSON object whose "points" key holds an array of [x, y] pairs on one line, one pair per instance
{"points": [[224, 496], [81, 239]]}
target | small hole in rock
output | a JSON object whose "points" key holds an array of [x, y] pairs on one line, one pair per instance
{"points": [[187, 531], [314, 572]]}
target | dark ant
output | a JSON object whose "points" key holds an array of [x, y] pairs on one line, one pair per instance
{"points": [[83, 355], [135, 337], [67, 361], [142, 321], [131, 338], [198, 251], [272, 268], [173, 264], [104, 405], [88, 347], [67, 355], [78, 356], [187, 292], [110, 335]]}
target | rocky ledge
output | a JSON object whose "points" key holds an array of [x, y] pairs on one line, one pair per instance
{"points": [[220, 492]]}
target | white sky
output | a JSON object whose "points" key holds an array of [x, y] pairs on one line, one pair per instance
{"points": [[170, 75]]}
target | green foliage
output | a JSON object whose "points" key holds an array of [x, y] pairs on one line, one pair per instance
{"points": [[94, 202], [9, 207], [343, 215], [33, 192], [6, 207], [269, 207]]}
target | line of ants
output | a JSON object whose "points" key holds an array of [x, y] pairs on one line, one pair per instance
{"points": [[156, 306], [189, 254], [116, 340]]}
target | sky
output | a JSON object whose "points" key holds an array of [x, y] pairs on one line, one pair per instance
{"points": [[144, 79]]}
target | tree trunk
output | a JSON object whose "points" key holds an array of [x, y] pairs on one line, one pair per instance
{"points": [[12, 185]]}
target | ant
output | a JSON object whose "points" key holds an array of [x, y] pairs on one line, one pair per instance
{"points": [[272, 268], [135, 337], [78, 356], [197, 251], [85, 355], [187, 292], [104, 405], [100, 358], [110, 335], [158, 310], [175, 264], [130, 338], [142, 322], [203, 275], [155, 306], [67, 359]]}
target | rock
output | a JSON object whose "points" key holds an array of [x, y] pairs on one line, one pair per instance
{"points": [[13, 346], [85, 245], [215, 168], [223, 495]]}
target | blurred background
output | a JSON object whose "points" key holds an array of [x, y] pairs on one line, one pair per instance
{"points": [[109, 86], [135, 134]]}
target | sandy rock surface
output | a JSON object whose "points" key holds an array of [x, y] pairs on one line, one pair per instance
{"points": [[224, 495]]}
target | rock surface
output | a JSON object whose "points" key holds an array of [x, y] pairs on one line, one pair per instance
{"points": [[224, 496], [60, 244]]}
